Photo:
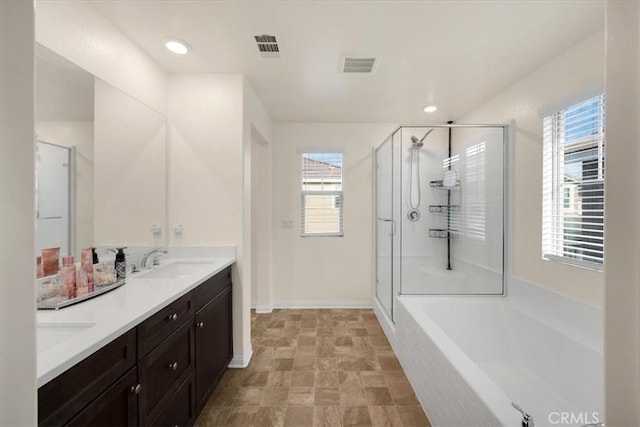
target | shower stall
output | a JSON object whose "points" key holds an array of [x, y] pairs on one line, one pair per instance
{"points": [[439, 210]]}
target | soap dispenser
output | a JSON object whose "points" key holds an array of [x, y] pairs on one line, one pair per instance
{"points": [[121, 264]]}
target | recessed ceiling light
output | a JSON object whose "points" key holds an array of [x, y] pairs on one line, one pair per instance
{"points": [[178, 47], [430, 108]]}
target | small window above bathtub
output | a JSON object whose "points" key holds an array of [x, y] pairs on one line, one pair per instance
{"points": [[573, 184], [321, 197]]}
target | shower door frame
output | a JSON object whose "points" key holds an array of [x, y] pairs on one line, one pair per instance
{"points": [[507, 209]]}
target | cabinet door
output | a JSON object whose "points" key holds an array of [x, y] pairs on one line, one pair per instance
{"points": [[64, 397], [117, 406], [180, 411], [214, 345], [164, 370]]}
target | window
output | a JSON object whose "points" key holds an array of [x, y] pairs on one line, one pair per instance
{"points": [[322, 205], [475, 184], [573, 187]]}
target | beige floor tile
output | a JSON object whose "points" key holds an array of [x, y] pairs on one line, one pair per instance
{"points": [[248, 396], [373, 379], [298, 417], [326, 379], [241, 416], [379, 396], [327, 416], [279, 379], [356, 416], [353, 395], [270, 417], [300, 396], [325, 368], [326, 396], [413, 417], [303, 378], [275, 396], [385, 416]]}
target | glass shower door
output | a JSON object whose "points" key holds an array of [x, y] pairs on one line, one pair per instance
{"points": [[384, 226]]}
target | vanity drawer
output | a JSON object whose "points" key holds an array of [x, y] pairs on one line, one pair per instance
{"points": [[62, 398], [181, 409], [210, 288], [164, 370], [155, 329]]}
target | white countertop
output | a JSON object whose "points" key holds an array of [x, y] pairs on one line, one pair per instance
{"points": [[69, 335]]}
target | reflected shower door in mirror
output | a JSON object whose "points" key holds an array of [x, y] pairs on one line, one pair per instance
{"points": [[117, 145]]}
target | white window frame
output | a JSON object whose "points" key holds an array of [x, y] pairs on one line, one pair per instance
{"points": [[337, 195], [554, 187]]}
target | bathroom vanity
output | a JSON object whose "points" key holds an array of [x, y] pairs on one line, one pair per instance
{"points": [[148, 353]]}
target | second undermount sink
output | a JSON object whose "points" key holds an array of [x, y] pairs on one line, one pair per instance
{"points": [[50, 335], [175, 270]]}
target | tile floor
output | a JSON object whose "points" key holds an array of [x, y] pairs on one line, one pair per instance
{"points": [[316, 368]]}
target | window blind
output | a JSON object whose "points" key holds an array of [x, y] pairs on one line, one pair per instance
{"points": [[322, 198], [573, 183]]}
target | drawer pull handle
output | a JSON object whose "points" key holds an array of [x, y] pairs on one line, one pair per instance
{"points": [[173, 316], [173, 366], [200, 325], [136, 389]]}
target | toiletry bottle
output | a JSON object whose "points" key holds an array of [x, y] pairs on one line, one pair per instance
{"points": [[68, 278], [91, 285], [81, 283], [121, 264], [86, 265], [39, 268]]}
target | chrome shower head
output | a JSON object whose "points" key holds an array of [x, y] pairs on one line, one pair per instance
{"points": [[418, 143]]}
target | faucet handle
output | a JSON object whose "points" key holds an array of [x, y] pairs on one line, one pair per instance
{"points": [[527, 420]]}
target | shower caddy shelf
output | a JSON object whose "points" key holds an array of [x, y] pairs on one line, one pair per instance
{"points": [[444, 233], [439, 184], [444, 208]]}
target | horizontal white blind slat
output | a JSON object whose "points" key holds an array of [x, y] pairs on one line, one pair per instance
{"points": [[573, 182]]}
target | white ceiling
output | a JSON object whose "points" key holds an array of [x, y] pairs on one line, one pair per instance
{"points": [[455, 54]]}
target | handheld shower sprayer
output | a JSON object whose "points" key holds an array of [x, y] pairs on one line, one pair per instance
{"points": [[416, 144]]}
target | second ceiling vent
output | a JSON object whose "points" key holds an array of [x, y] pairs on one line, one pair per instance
{"points": [[358, 64], [267, 46]]}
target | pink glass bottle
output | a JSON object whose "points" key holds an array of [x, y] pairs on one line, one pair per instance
{"points": [[68, 276]]}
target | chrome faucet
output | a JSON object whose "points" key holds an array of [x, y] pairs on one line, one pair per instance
{"points": [[157, 252], [527, 420]]}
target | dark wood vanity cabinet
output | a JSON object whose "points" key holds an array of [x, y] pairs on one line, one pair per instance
{"points": [[160, 373], [117, 406], [214, 345]]}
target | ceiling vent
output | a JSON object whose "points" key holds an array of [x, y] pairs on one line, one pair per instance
{"points": [[356, 64], [267, 46]]}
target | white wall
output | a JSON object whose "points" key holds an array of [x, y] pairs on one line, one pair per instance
{"points": [[77, 32], [209, 181], [323, 270], [577, 70], [80, 135], [622, 220], [17, 293], [257, 136]]}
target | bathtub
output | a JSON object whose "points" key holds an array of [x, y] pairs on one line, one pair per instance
{"points": [[468, 358]]}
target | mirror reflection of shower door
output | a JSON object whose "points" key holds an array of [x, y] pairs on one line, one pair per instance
{"points": [[384, 226], [54, 197]]}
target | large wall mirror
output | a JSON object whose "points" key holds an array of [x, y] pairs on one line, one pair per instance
{"points": [[100, 162]]}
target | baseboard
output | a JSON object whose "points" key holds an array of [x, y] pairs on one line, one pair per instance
{"points": [[263, 309], [239, 362], [323, 304]]}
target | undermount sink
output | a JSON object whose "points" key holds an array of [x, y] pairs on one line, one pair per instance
{"points": [[50, 335], [175, 270]]}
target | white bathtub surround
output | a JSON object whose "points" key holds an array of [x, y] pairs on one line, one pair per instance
{"points": [[100, 320], [468, 358]]}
